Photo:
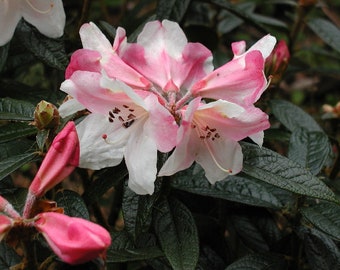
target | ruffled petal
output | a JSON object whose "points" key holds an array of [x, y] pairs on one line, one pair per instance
{"points": [[163, 56], [93, 39], [238, 81], [95, 152], [70, 107], [265, 45], [10, 15], [48, 16]]}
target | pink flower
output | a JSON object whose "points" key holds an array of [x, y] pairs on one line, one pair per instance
{"points": [[209, 134], [48, 16], [170, 74], [73, 240], [60, 160], [277, 62], [123, 122]]}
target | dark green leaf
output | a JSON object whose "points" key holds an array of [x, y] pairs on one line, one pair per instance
{"points": [[209, 259], [19, 110], [72, 203], [293, 117], [14, 148], [321, 251], [13, 163], [17, 199], [327, 31], [3, 55], [14, 131], [50, 51], [325, 217], [8, 257], [172, 9], [269, 166], [233, 188], [310, 149], [177, 234], [259, 261], [122, 249], [109, 29]]}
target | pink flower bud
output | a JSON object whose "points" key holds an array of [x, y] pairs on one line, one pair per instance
{"points": [[73, 240], [6, 224], [7, 208], [277, 62], [59, 162]]}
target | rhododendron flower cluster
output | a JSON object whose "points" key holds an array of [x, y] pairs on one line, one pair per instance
{"points": [[74, 240], [48, 16], [151, 96]]}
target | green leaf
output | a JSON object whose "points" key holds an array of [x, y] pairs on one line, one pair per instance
{"points": [[327, 31], [3, 55], [233, 188], [50, 51], [8, 257], [259, 261], [272, 168], [17, 198], [292, 116], [13, 148], [172, 9], [325, 217], [320, 250], [310, 149], [177, 234], [72, 203], [13, 163], [18, 110], [122, 249], [14, 131]]}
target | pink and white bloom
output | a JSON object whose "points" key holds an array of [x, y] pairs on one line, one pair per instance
{"points": [[209, 134], [48, 16], [122, 122], [168, 72]]}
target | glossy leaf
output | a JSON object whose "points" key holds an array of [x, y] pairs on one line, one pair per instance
{"points": [[172, 9], [122, 249], [259, 261], [50, 51], [13, 163], [14, 131], [72, 203], [17, 198], [293, 117], [272, 168], [310, 149], [13, 148], [327, 31], [321, 251], [19, 110], [325, 217], [177, 234], [233, 188]]}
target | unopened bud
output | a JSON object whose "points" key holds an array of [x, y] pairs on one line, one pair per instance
{"points": [[46, 116], [277, 62]]}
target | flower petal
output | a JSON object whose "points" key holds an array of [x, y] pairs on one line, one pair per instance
{"points": [[70, 107], [95, 152], [73, 240], [10, 15], [46, 15], [141, 161]]}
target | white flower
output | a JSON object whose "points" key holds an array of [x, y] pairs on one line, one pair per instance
{"points": [[48, 16]]}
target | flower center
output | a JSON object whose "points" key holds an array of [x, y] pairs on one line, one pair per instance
{"points": [[125, 115], [39, 10], [208, 135]]}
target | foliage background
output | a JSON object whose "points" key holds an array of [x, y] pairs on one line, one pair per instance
{"points": [[281, 212]]}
